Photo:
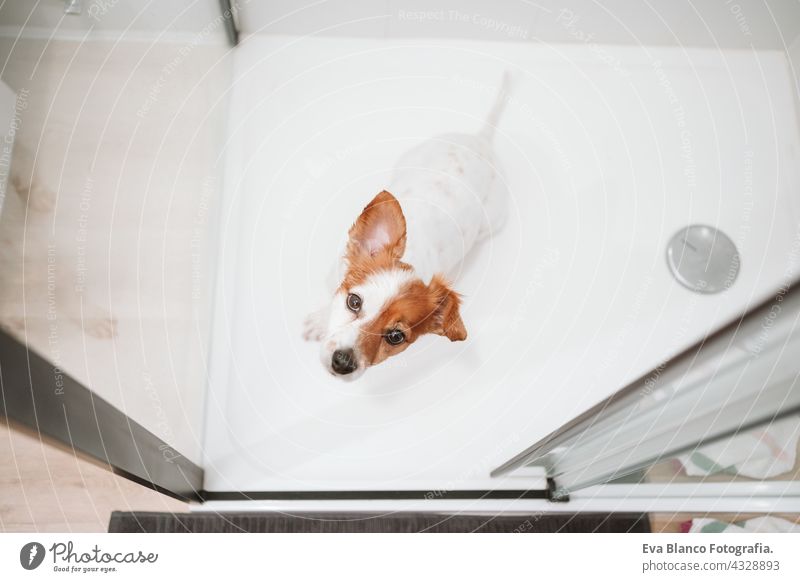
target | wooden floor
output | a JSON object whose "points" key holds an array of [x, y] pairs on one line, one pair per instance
{"points": [[44, 488]]}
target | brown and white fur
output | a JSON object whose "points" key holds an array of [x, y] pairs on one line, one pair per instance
{"points": [[446, 196]]}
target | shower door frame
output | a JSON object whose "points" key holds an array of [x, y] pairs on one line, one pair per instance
{"points": [[37, 395], [776, 495]]}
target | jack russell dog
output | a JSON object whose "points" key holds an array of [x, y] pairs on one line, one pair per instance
{"points": [[447, 195]]}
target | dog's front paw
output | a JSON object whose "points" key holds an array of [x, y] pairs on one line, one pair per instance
{"points": [[315, 326]]}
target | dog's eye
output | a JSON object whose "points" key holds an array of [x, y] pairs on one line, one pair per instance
{"points": [[354, 303], [394, 337]]}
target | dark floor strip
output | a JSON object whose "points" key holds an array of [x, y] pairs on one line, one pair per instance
{"points": [[310, 495], [273, 522]]}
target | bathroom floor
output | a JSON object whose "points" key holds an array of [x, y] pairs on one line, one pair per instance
{"points": [[608, 151], [105, 259]]}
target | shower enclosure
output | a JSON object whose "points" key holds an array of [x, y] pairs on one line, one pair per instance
{"points": [[176, 203]]}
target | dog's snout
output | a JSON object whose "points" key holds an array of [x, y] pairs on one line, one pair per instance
{"points": [[344, 361]]}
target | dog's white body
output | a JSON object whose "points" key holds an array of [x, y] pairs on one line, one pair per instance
{"points": [[452, 195]]}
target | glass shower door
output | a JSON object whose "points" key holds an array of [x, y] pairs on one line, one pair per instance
{"points": [[744, 377]]}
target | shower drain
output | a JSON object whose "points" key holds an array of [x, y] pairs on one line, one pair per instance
{"points": [[703, 259]]}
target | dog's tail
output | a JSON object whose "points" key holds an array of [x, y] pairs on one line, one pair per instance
{"points": [[500, 102]]}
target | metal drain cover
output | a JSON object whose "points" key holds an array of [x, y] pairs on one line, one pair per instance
{"points": [[703, 259]]}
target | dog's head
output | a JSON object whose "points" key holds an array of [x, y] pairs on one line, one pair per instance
{"points": [[381, 307]]}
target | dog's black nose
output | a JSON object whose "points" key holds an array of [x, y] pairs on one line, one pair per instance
{"points": [[343, 361]]}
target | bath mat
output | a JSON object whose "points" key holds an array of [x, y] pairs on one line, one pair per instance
{"points": [[761, 453], [152, 522], [764, 524]]}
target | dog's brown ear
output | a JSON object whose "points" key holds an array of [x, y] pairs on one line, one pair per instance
{"points": [[381, 227], [447, 318]]}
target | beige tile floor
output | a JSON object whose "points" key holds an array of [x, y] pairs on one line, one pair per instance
{"points": [[106, 242], [44, 488]]}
